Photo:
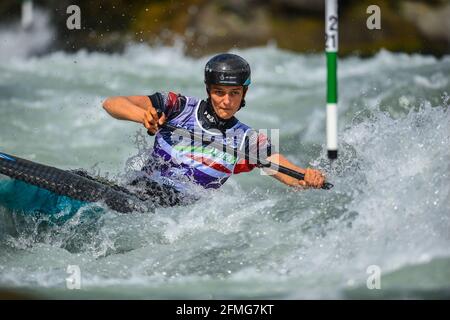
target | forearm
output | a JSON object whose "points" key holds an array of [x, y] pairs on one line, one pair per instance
{"points": [[123, 109], [282, 161]]}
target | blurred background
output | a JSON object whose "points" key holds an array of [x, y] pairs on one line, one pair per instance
{"points": [[206, 26]]}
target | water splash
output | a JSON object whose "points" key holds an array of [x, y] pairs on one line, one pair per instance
{"points": [[254, 237]]}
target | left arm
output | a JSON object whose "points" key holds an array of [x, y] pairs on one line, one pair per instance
{"points": [[313, 178]]}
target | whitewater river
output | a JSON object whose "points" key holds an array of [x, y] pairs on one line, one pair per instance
{"points": [[255, 238]]}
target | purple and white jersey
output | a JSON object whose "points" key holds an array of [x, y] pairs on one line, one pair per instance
{"points": [[178, 161]]}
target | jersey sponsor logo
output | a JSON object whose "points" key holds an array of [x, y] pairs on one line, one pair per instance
{"points": [[210, 117]]}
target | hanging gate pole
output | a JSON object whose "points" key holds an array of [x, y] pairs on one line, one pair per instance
{"points": [[331, 49]]}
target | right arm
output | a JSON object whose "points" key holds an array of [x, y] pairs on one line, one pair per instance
{"points": [[134, 108]]}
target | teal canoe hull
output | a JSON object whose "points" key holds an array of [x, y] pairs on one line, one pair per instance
{"points": [[28, 199]]}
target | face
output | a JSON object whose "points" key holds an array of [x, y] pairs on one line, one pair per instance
{"points": [[226, 100]]}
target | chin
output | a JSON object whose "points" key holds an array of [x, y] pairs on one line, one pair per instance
{"points": [[226, 115]]}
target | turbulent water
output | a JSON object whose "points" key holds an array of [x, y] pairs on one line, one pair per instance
{"points": [[389, 210]]}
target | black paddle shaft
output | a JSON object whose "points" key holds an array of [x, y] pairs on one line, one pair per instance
{"points": [[267, 164]]}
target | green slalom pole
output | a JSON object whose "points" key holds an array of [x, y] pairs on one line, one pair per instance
{"points": [[331, 49]]}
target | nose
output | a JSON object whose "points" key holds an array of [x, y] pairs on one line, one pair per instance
{"points": [[226, 99]]}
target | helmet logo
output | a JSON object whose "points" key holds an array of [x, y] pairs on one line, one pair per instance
{"points": [[227, 69]]}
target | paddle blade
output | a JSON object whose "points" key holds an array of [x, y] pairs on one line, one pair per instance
{"points": [[327, 186]]}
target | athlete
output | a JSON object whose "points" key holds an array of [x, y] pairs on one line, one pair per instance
{"points": [[175, 165]]}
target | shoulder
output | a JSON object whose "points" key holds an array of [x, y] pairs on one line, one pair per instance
{"points": [[169, 98], [172, 98], [242, 126], [192, 101]]}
